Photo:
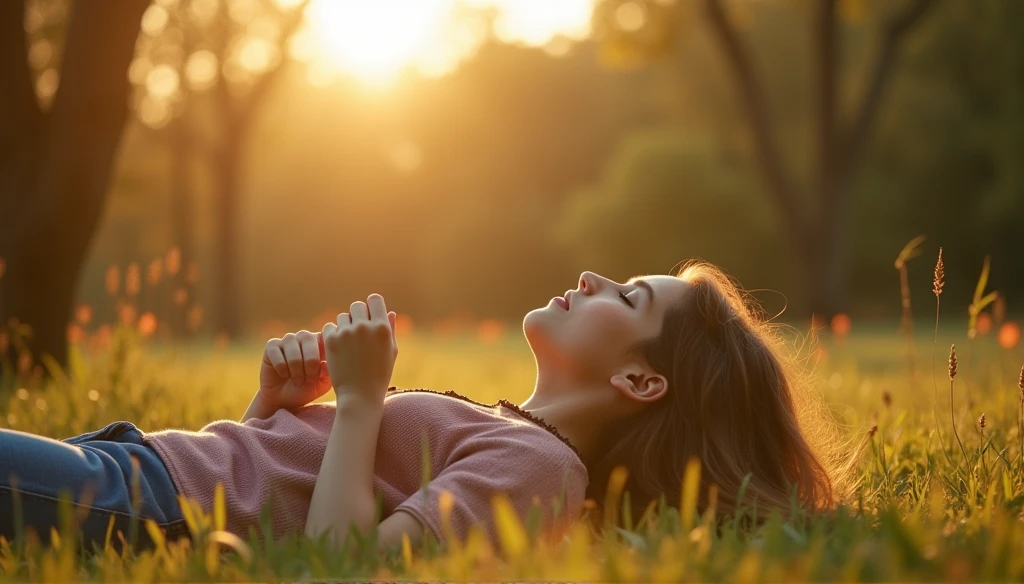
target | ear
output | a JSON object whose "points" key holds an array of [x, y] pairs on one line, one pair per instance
{"points": [[643, 385]]}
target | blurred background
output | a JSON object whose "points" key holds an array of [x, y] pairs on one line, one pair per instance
{"points": [[244, 168]]}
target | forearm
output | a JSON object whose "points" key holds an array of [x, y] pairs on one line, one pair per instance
{"points": [[343, 494], [257, 409]]}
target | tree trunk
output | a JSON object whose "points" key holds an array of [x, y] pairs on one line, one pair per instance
{"points": [[229, 174], [182, 217], [54, 183]]}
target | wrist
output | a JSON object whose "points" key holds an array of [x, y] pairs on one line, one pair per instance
{"points": [[359, 405], [263, 403]]}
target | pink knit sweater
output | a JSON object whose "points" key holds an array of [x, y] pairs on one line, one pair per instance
{"points": [[476, 451]]}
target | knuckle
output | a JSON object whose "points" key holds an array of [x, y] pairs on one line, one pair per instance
{"points": [[289, 336]]}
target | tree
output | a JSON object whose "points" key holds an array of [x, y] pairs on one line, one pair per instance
{"points": [[55, 163], [815, 217], [219, 64]]}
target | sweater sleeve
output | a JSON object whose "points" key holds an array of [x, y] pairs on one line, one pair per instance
{"points": [[526, 475]]}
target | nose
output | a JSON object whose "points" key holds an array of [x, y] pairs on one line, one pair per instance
{"points": [[588, 282]]}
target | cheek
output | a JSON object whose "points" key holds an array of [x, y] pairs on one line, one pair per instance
{"points": [[597, 329]]}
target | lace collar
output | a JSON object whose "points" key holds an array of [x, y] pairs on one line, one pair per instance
{"points": [[501, 402]]}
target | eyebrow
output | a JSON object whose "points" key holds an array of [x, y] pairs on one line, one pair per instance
{"points": [[650, 291]]}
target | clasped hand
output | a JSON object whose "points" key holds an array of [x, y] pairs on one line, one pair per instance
{"points": [[356, 355]]}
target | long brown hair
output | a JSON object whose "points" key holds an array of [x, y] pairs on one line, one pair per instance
{"points": [[736, 401]]}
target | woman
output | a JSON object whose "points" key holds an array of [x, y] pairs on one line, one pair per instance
{"points": [[644, 374]]}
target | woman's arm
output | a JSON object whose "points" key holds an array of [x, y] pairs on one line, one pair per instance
{"points": [[257, 409], [343, 494]]}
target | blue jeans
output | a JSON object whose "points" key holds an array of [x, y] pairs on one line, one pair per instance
{"points": [[95, 470]]}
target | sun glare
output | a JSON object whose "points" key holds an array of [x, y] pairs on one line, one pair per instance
{"points": [[375, 40]]}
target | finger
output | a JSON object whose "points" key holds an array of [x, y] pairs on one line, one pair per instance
{"points": [[310, 355], [275, 357], [328, 329], [359, 311], [320, 343], [392, 317], [344, 320], [376, 307], [324, 381], [293, 355]]}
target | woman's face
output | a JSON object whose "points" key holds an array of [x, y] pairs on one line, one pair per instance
{"points": [[589, 336]]}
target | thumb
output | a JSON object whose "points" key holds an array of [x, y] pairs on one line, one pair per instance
{"points": [[391, 320]]}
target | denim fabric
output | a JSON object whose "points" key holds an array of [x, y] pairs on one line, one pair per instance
{"points": [[95, 469]]}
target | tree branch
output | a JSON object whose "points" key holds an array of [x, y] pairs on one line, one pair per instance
{"points": [[853, 145], [780, 185]]}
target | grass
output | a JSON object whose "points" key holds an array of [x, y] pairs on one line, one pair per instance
{"points": [[922, 511]]}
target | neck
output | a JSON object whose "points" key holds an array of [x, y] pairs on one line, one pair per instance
{"points": [[574, 411]]}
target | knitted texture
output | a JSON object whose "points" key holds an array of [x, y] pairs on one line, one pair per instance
{"points": [[475, 452]]}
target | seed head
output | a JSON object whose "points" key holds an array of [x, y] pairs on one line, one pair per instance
{"points": [[981, 421], [1020, 383], [886, 398], [872, 430], [940, 276], [952, 362]]}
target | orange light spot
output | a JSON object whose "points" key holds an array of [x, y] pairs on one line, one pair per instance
{"points": [[75, 334], [127, 314], [101, 340], [83, 314], [155, 272], [132, 279], [24, 362], [173, 261], [490, 331], [841, 324], [147, 324], [113, 279], [194, 317], [403, 325], [984, 323], [1009, 335], [180, 296]]}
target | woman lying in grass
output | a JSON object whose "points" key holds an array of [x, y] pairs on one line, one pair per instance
{"points": [[645, 375]]}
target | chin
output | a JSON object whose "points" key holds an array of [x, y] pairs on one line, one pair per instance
{"points": [[535, 326]]}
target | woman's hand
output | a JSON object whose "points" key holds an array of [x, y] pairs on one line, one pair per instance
{"points": [[361, 351], [294, 372]]}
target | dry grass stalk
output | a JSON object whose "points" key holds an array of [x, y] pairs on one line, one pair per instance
{"points": [[952, 418], [912, 249], [937, 283]]}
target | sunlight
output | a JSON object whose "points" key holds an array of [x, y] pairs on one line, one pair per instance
{"points": [[376, 40]]}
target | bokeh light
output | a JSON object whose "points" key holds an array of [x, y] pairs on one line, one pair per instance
{"points": [[376, 41]]}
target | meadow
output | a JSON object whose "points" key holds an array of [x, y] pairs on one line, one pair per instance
{"points": [[924, 508]]}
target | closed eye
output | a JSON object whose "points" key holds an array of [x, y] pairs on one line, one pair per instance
{"points": [[626, 298]]}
